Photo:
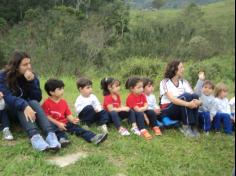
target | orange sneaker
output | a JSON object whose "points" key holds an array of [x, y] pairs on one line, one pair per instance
{"points": [[146, 134], [157, 131]]}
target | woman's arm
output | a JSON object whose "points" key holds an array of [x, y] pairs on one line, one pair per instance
{"points": [[180, 102]]}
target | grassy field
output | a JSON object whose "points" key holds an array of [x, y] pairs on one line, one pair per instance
{"points": [[171, 154]]}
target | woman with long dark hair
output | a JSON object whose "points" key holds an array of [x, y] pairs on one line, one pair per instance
{"points": [[178, 101], [22, 95]]}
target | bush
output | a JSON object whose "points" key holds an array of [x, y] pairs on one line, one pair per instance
{"points": [[199, 48]]}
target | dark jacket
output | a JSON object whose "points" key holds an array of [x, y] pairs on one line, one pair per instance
{"points": [[27, 90]]}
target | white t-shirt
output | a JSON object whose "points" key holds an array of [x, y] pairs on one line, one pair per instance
{"points": [[232, 105], [152, 102], [2, 104], [223, 105], [82, 102], [167, 85]]}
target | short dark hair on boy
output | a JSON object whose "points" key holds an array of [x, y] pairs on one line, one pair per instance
{"points": [[83, 82], [52, 84], [132, 82], [147, 81], [208, 82]]}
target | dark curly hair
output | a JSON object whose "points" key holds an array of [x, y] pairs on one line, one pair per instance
{"points": [[132, 82], [106, 82], [172, 68]]}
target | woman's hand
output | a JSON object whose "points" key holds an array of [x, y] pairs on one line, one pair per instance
{"points": [[191, 105], [29, 75], [30, 114], [1, 95], [157, 111]]}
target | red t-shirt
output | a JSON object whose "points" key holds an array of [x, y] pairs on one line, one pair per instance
{"points": [[58, 111], [109, 100], [136, 100]]}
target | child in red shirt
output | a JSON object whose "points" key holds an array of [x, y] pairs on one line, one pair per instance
{"points": [[138, 102], [59, 114], [112, 104]]}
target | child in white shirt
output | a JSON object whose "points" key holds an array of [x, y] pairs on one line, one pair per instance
{"points": [[88, 107]]}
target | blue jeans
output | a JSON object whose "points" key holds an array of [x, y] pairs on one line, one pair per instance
{"points": [[205, 121], [152, 116], [225, 118], [139, 116], [89, 116], [4, 119], [116, 117], [41, 119], [74, 129], [183, 114]]}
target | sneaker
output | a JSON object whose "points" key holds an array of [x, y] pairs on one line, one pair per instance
{"points": [[103, 129], [124, 132], [99, 138], [187, 131], [39, 143], [168, 122], [146, 134], [7, 135], [195, 131], [135, 131], [64, 142], [157, 131], [53, 142], [206, 133], [160, 124]]}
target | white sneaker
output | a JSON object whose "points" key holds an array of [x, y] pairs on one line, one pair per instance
{"points": [[103, 129], [124, 132], [7, 135], [135, 131]]}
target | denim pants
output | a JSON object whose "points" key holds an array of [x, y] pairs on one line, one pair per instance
{"points": [[4, 119], [225, 118], [183, 114], [41, 119], [89, 116], [205, 121], [74, 129], [116, 117]]}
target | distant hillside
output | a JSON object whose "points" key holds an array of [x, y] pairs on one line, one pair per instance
{"points": [[146, 4]]}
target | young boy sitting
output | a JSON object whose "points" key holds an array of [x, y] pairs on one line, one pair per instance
{"points": [[7, 135], [88, 106], [207, 111], [60, 115]]}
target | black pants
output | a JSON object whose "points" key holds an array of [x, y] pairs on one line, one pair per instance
{"points": [[152, 116], [116, 117], [89, 116], [183, 114]]}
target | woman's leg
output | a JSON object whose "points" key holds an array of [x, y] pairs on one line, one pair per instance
{"points": [[41, 117]]}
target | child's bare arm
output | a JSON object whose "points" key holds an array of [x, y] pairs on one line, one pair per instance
{"points": [[73, 119]]}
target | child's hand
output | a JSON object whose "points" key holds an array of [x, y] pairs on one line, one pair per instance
{"points": [[197, 102], [1, 95], [75, 121], [201, 76], [157, 111], [62, 126], [126, 109]]}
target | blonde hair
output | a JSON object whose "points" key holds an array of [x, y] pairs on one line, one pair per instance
{"points": [[219, 88]]}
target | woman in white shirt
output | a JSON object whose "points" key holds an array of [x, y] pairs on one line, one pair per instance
{"points": [[178, 101]]}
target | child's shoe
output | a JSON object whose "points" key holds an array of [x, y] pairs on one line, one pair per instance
{"points": [[187, 131], [39, 143], [124, 132], [99, 138], [64, 142], [146, 134], [52, 141], [7, 135], [157, 131], [103, 129], [135, 131], [168, 122]]}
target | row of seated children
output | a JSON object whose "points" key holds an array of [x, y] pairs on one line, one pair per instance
{"points": [[216, 108]]}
